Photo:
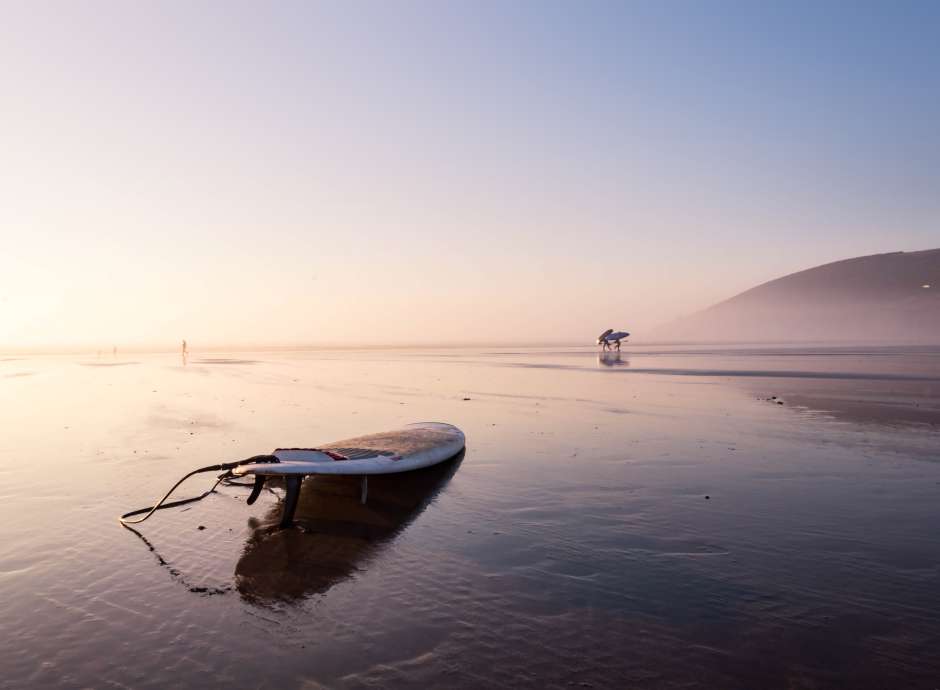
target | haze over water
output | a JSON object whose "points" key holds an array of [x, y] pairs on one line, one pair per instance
{"points": [[442, 172], [652, 518]]}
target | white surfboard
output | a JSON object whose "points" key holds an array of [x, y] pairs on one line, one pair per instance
{"points": [[409, 448], [412, 447]]}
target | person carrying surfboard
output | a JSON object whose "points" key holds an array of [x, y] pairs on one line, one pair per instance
{"points": [[610, 336]]}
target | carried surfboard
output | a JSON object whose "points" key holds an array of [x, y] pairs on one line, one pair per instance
{"points": [[411, 447]]}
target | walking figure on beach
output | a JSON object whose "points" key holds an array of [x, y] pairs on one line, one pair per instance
{"points": [[611, 336]]}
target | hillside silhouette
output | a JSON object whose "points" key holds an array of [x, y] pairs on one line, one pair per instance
{"points": [[879, 298]]}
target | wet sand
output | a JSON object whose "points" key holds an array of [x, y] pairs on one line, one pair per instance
{"points": [[653, 519]]}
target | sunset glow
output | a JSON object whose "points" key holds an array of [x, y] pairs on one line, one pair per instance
{"points": [[442, 174]]}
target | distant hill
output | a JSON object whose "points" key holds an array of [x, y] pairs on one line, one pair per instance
{"points": [[878, 298]]}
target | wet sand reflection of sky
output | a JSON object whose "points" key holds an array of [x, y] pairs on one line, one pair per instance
{"points": [[577, 518]]}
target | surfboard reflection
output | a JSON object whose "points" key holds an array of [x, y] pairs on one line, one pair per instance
{"points": [[612, 359], [335, 534]]}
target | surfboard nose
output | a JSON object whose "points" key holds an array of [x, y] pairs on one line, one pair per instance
{"points": [[457, 439]]}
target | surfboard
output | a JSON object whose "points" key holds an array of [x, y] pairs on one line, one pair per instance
{"points": [[410, 448], [402, 450]]}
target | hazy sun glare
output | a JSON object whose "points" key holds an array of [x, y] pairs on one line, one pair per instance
{"points": [[425, 173]]}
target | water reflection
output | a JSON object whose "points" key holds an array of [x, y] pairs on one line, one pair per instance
{"points": [[871, 403], [612, 359], [336, 534]]}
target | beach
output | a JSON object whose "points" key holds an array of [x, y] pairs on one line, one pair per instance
{"points": [[733, 517]]}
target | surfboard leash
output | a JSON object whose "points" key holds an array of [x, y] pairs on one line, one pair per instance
{"points": [[226, 469]]}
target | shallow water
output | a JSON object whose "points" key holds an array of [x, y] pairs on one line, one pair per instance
{"points": [[653, 519]]}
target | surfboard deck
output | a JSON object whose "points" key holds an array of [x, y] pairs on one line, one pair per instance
{"points": [[402, 450], [410, 448]]}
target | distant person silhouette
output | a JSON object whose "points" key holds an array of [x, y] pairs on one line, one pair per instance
{"points": [[184, 352], [609, 337], [114, 351]]}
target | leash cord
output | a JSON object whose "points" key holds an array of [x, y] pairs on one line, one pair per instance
{"points": [[226, 469]]}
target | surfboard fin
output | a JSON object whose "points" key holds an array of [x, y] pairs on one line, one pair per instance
{"points": [[290, 500], [256, 489]]}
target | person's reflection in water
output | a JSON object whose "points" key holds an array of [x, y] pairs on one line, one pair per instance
{"points": [[612, 359], [335, 534]]}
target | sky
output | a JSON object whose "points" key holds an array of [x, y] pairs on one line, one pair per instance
{"points": [[356, 173]]}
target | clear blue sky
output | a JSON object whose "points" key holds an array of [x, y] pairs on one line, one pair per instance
{"points": [[418, 172]]}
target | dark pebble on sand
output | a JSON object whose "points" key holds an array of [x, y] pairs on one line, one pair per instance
{"points": [[466, 398], [708, 498], [201, 527]]}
